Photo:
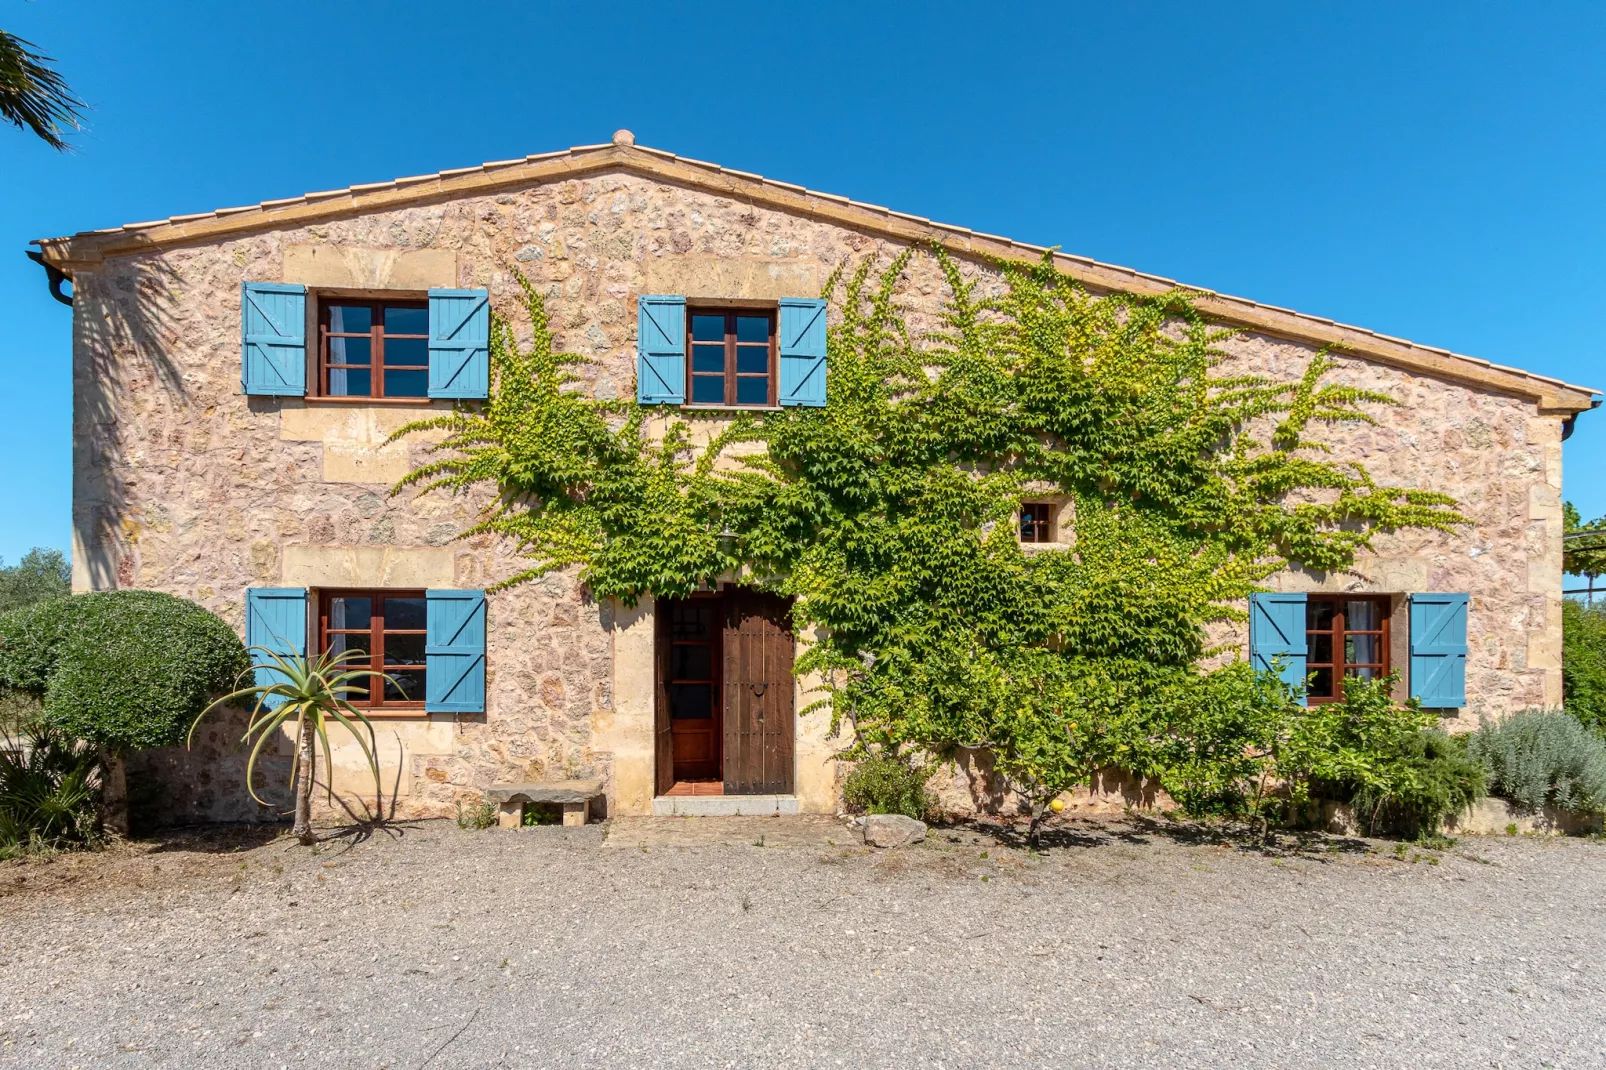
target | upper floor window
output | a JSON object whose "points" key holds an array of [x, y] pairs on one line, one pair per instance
{"points": [[389, 627], [731, 356], [1346, 636], [373, 349], [1036, 522]]}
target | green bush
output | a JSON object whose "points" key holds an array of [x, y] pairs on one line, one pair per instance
{"points": [[1583, 664], [889, 784], [121, 669], [1397, 771], [41, 574], [1543, 757], [49, 791]]}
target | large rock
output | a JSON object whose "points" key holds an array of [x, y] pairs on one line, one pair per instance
{"points": [[892, 830]]}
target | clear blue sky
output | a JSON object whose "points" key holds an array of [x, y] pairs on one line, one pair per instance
{"points": [[1433, 171]]}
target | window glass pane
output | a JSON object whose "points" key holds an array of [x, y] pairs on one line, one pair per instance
{"points": [[1363, 649], [350, 350], [708, 328], [359, 318], [1319, 615], [406, 321], [708, 389], [340, 643], [350, 612], [405, 613], [1321, 648], [414, 351], [692, 621], [691, 663], [1362, 616], [350, 382], [691, 701], [753, 390], [752, 328], [708, 359], [406, 686], [1364, 673], [406, 384], [404, 650], [1321, 684], [752, 360]]}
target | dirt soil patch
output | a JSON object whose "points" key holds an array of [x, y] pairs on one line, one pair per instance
{"points": [[1125, 943]]}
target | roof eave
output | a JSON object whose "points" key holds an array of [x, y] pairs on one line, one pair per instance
{"points": [[85, 250]]}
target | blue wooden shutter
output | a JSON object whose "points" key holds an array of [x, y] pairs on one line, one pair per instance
{"points": [[661, 349], [454, 652], [273, 332], [459, 343], [1277, 628], [802, 351], [275, 618], [1439, 649]]}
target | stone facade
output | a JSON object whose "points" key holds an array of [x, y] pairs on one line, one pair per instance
{"points": [[183, 484]]}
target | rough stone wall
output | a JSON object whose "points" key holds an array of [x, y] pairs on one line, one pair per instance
{"points": [[184, 485]]}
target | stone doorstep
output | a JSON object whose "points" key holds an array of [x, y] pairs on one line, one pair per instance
{"points": [[723, 805], [574, 796]]}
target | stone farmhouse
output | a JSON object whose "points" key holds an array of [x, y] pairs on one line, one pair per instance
{"points": [[237, 375]]}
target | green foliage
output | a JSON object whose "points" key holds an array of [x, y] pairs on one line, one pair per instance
{"points": [[49, 791], [1583, 664], [41, 574], [33, 94], [1582, 554], [121, 669], [1396, 769], [889, 784], [888, 514], [481, 815], [308, 692], [1541, 758]]}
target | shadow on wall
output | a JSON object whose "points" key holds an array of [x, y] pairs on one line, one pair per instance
{"points": [[969, 784], [206, 783], [125, 328]]}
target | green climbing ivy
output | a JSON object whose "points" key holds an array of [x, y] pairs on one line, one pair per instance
{"points": [[889, 514]]}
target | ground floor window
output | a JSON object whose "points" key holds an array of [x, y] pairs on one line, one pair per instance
{"points": [[1347, 636], [389, 627]]}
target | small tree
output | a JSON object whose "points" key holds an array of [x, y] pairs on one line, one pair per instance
{"points": [[41, 574], [311, 692]]}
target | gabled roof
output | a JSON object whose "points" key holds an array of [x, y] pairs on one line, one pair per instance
{"points": [[85, 249]]}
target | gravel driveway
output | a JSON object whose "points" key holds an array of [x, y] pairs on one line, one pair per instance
{"points": [[1130, 945]]}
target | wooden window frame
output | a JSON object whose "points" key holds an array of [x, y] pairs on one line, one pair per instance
{"points": [[318, 367], [1340, 630], [731, 310], [374, 704], [1039, 516]]}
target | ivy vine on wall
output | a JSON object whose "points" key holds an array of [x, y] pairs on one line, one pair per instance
{"points": [[888, 514]]}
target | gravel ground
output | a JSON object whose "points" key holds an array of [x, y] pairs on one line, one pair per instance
{"points": [[1127, 945]]}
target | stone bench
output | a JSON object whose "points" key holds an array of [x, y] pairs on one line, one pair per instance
{"points": [[573, 796]]}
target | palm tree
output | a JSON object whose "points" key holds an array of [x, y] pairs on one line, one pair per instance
{"points": [[312, 692], [33, 95]]}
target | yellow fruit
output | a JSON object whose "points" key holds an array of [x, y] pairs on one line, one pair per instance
{"points": [[1057, 805]]}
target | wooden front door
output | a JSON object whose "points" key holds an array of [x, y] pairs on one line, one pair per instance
{"points": [[690, 724], [758, 713]]}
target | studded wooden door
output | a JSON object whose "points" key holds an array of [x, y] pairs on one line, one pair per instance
{"points": [[759, 713]]}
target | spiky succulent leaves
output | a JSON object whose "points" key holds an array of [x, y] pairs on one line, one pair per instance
{"points": [[313, 691]]}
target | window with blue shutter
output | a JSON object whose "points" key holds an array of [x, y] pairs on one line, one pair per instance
{"points": [[802, 351], [459, 343], [661, 349], [273, 329], [1277, 629], [1439, 650], [454, 677], [275, 619]]}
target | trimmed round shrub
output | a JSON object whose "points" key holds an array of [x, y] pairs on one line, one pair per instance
{"points": [[122, 669]]}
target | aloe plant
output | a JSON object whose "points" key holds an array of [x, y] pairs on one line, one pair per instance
{"points": [[311, 691]]}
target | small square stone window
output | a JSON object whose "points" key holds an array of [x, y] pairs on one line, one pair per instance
{"points": [[1036, 522]]}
